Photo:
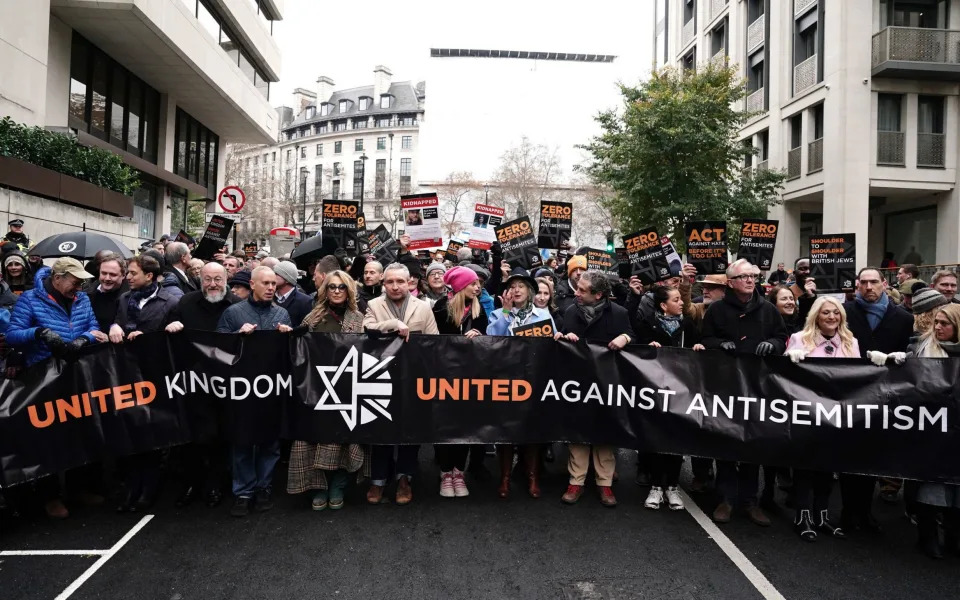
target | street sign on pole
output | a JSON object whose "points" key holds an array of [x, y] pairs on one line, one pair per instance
{"points": [[231, 199], [209, 215]]}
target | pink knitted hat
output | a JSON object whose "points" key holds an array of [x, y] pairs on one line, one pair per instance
{"points": [[459, 277]]}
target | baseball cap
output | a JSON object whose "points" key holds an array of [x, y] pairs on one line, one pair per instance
{"points": [[70, 266]]}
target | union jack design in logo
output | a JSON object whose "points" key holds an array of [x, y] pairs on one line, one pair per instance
{"points": [[370, 388]]}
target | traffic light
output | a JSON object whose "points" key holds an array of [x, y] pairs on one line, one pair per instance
{"points": [[610, 241]]}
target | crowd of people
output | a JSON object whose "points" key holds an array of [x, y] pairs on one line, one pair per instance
{"points": [[56, 310]]}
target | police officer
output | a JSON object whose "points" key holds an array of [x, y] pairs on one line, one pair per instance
{"points": [[16, 234]]}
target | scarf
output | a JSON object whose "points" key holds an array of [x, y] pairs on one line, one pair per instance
{"points": [[337, 312], [133, 305], [259, 304], [670, 323], [521, 314], [874, 310], [591, 311], [398, 312]]}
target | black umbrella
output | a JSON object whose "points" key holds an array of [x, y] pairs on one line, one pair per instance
{"points": [[312, 249], [82, 245]]}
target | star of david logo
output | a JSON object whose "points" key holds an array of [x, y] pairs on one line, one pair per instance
{"points": [[370, 388]]}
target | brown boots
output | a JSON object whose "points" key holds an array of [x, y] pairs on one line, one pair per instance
{"points": [[531, 464]]}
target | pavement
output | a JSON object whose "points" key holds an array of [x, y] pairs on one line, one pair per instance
{"points": [[475, 547]]}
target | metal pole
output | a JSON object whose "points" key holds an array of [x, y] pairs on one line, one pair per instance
{"points": [[393, 227], [363, 179]]}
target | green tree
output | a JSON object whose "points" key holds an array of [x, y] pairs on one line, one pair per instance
{"points": [[672, 154]]}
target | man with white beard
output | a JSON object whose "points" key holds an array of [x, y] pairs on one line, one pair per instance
{"points": [[204, 462]]}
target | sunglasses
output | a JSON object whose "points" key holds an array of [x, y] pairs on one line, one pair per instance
{"points": [[336, 287]]}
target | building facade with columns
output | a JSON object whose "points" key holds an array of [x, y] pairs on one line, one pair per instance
{"points": [[858, 101], [338, 144], [164, 84]]}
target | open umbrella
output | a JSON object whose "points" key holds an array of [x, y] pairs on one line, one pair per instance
{"points": [[82, 245], [312, 249]]}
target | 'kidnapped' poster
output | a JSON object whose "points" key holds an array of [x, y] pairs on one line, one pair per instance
{"points": [[421, 220], [485, 221]]}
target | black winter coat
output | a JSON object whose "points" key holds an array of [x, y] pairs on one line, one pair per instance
{"points": [[186, 283], [650, 330], [446, 327], [195, 312], [298, 306], [106, 305], [613, 320], [891, 335], [746, 325], [153, 315], [564, 296]]}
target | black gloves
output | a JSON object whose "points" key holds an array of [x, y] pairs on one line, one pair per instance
{"points": [[78, 343], [53, 341], [764, 349], [496, 250], [728, 346]]}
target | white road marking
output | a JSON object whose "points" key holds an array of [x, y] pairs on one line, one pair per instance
{"points": [[73, 587], [54, 552], [743, 563]]}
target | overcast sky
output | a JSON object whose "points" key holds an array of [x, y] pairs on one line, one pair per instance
{"points": [[475, 108]]}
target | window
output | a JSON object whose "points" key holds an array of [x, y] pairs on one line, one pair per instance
{"points": [[303, 151], [763, 145], [755, 10], [689, 11], [209, 17], [889, 112], [406, 121], [311, 112], [319, 149], [385, 101], [357, 179], [325, 109], [337, 171], [406, 168], [359, 123], [273, 157], [927, 14], [98, 103], [335, 192], [340, 125], [365, 103], [406, 142], [358, 145], [689, 61], [718, 39], [337, 147], [383, 122], [289, 155], [380, 185], [195, 152], [930, 114], [806, 44], [322, 128], [344, 105], [318, 183], [816, 116], [796, 130], [381, 143], [378, 211]]}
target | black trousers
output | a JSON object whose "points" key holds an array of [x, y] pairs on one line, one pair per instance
{"points": [[204, 464], [665, 470], [857, 494], [812, 489], [451, 456]]}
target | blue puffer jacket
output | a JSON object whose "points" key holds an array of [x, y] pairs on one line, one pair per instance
{"points": [[36, 309]]}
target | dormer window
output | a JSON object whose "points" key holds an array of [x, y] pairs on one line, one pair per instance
{"points": [[386, 100], [344, 105], [365, 103], [311, 112], [325, 109]]}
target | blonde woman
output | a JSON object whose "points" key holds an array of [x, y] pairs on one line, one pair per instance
{"points": [[546, 298], [325, 468], [940, 341], [824, 335]]}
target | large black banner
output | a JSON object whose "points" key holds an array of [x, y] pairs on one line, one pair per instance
{"points": [[162, 390]]}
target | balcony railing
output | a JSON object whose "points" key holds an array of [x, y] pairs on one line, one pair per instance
{"points": [[815, 156], [805, 75], [801, 6], [756, 33], [930, 149], [793, 163], [716, 7], [755, 102], [891, 148], [914, 44], [719, 59], [763, 165], [686, 35]]}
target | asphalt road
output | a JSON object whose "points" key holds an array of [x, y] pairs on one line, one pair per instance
{"points": [[476, 547]]}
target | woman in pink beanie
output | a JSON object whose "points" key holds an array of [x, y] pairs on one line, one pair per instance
{"points": [[458, 313]]}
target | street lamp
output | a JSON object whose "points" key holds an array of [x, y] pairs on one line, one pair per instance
{"points": [[486, 194], [363, 177]]}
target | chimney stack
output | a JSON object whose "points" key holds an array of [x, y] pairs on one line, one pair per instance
{"points": [[324, 89], [381, 82], [301, 99]]}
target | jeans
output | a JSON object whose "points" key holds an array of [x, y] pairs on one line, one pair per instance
{"points": [[738, 481], [253, 468], [382, 462]]}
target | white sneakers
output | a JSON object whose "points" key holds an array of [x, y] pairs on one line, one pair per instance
{"points": [[452, 485], [654, 498], [657, 496]]}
